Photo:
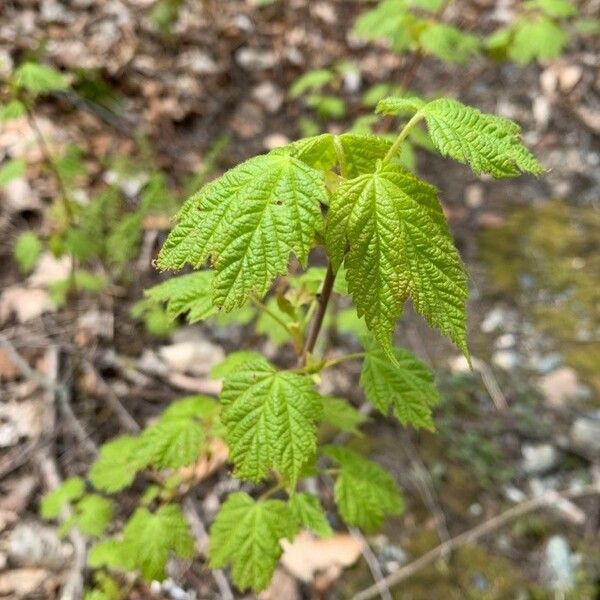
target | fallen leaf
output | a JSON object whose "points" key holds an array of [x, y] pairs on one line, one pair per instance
{"points": [[208, 463], [50, 269], [19, 583], [308, 555], [24, 303], [196, 357]]}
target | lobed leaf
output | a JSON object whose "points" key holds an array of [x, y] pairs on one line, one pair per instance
{"points": [[269, 417], [309, 514], [406, 384], [246, 534], [189, 295], [399, 247], [116, 466], [489, 144], [364, 492], [150, 538], [249, 221]]}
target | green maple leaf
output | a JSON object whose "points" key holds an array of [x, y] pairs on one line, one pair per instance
{"points": [[407, 385], [53, 502], [390, 19], [116, 466], [269, 417], [189, 295], [338, 413], [539, 38], [39, 79], [232, 362], [553, 8], [449, 43], [93, 513], [172, 443], [12, 169], [364, 492], [360, 153], [178, 437], [249, 221], [149, 539], [489, 144], [246, 534], [309, 514], [400, 247]]}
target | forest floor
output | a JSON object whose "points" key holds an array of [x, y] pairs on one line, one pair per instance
{"points": [[212, 92]]}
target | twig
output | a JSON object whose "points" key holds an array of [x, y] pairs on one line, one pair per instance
{"points": [[426, 488], [317, 321], [199, 531], [73, 586], [60, 391], [128, 422], [490, 383], [372, 563], [50, 161], [474, 534]]}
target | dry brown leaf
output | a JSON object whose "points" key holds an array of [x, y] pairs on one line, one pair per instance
{"points": [[21, 420], [283, 585], [8, 371], [24, 303], [195, 356], [308, 555], [50, 269], [19, 583], [206, 465]]}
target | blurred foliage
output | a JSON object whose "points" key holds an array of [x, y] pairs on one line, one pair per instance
{"points": [[546, 260]]}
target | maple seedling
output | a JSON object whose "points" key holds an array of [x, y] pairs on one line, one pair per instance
{"points": [[386, 240]]}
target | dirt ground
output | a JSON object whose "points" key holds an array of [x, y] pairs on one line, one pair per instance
{"points": [[212, 92]]}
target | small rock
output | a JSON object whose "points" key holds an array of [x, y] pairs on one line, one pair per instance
{"points": [[539, 458], [541, 111], [275, 140], [493, 320], [506, 359], [198, 62], [325, 12], [36, 545], [269, 96], [558, 564], [352, 80], [255, 59], [514, 494], [568, 77], [560, 386], [507, 340], [195, 357], [474, 195], [585, 433], [18, 197], [248, 120], [547, 362]]}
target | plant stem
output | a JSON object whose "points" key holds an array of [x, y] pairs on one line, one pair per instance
{"points": [[317, 321], [51, 163], [337, 361], [273, 490], [401, 137], [264, 308]]}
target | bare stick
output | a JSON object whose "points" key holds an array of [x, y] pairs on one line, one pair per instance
{"points": [[545, 500], [199, 531], [372, 563], [128, 422]]}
